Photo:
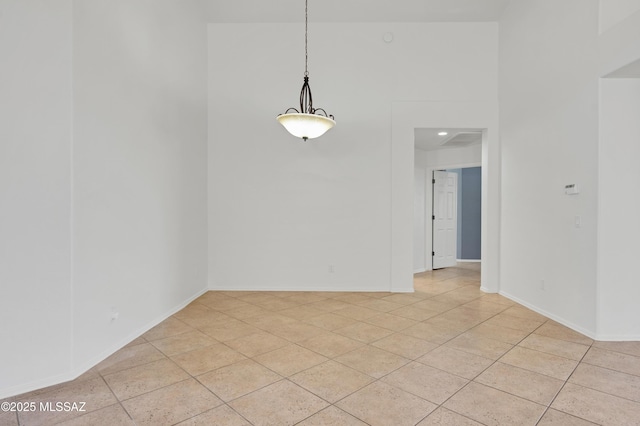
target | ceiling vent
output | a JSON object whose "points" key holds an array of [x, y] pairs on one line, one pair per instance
{"points": [[462, 139]]}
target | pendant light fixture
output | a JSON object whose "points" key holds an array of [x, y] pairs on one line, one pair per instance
{"points": [[307, 122]]}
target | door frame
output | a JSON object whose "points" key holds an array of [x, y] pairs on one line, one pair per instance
{"points": [[406, 117]]}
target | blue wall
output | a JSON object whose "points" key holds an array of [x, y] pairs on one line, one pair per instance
{"points": [[469, 212], [459, 204]]}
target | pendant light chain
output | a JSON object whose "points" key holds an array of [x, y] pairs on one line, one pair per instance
{"points": [[307, 122], [306, 31]]}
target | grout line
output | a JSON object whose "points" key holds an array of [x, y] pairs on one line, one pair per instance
{"points": [[480, 373], [563, 386], [374, 380], [615, 351], [610, 369], [116, 397]]}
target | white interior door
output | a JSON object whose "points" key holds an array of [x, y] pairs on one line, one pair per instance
{"points": [[445, 212]]}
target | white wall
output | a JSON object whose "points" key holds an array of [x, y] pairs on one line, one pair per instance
{"points": [[281, 210], [139, 167], [549, 136], [419, 219], [449, 158], [619, 210], [35, 193], [612, 12], [102, 176], [619, 45]]}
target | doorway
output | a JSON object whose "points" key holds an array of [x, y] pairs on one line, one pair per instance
{"points": [[440, 172], [406, 118]]}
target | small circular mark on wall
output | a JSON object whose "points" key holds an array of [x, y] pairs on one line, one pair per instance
{"points": [[387, 37]]}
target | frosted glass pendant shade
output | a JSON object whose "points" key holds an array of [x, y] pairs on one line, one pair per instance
{"points": [[306, 126]]}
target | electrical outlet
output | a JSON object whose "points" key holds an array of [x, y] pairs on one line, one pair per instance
{"points": [[115, 314], [331, 269]]}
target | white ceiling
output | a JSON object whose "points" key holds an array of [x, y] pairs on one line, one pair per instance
{"points": [[253, 11], [429, 140], [631, 70]]}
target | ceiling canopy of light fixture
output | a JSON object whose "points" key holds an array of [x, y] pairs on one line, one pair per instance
{"points": [[307, 122]]}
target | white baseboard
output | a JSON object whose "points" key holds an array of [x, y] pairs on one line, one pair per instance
{"points": [[319, 289], [469, 260], [617, 338], [419, 271], [309, 289], [589, 333], [134, 335], [76, 372], [36, 384], [403, 290]]}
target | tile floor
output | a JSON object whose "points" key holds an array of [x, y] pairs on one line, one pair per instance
{"points": [[447, 354]]}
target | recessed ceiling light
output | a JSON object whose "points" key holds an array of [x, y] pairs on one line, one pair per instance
{"points": [[443, 134]]}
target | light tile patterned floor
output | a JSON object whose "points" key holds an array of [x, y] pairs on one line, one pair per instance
{"points": [[447, 354]]}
